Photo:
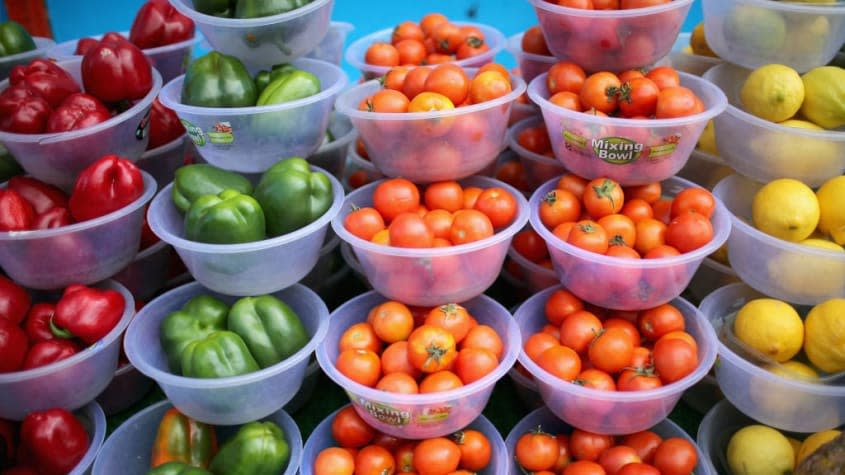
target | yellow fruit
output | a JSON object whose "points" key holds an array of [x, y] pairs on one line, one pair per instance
{"points": [[794, 370], [823, 244], [786, 209], [818, 156], [807, 276], [831, 196], [698, 42], [772, 92], [813, 442], [824, 96], [796, 445], [770, 326], [808, 37], [760, 450], [754, 29], [824, 335], [707, 139]]}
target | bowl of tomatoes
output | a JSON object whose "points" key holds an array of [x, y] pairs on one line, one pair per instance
{"points": [[530, 257], [532, 54], [529, 139], [359, 170]]}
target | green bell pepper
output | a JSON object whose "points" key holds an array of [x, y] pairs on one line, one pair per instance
{"points": [[218, 355], [264, 77], [229, 217], [258, 448], [292, 196], [270, 328], [178, 468], [9, 167], [262, 8], [221, 8], [192, 181], [14, 38], [289, 87], [198, 318], [218, 80]]}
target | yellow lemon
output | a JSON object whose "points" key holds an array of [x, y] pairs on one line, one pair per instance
{"points": [[760, 450], [707, 139], [824, 96], [698, 42], [808, 277], [831, 196], [754, 29], [824, 335], [796, 445], [770, 326], [823, 244], [793, 369], [798, 156], [808, 37], [786, 209], [813, 442], [772, 92]]}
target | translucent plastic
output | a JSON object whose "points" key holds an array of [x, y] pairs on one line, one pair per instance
{"points": [[355, 164], [522, 110], [57, 158], [613, 412], [330, 48], [72, 382], [705, 169], [710, 276], [526, 389], [431, 146], [81, 253], [418, 416], [264, 41], [764, 150], [162, 162], [627, 284], [42, 47], [682, 58], [332, 156], [703, 395], [94, 421], [127, 388], [129, 447], [351, 261], [530, 65], [147, 274], [780, 269], [715, 431], [611, 40], [306, 390], [630, 151], [751, 33], [236, 399], [432, 276], [251, 139], [249, 268], [538, 168]]}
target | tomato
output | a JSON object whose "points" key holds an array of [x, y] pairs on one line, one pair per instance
{"points": [[476, 450], [616, 457], [642, 358], [537, 451], [470, 225], [599, 92], [471, 194], [411, 51], [427, 101], [583, 467], [674, 359], [530, 245], [655, 322], [382, 237], [662, 210], [334, 461], [574, 184], [611, 350], [644, 442], [595, 379], [403, 457], [650, 234], [578, 330], [662, 251], [485, 338], [410, 230], [438, 58], [361, 366], [394, 196], [440, 381], [374, 460], [563, 230], [414, 82], [448, 80], [440, 222], [589, 235], [400, 383], [559, 206], [392, 321], [675, 456], [663, 76], [394, 359], [564, 456], [561, 361], [637, 380], [625, 325], [452, 317], [565, 76], [407, 30], [488, 86], [539, 342], [473, 47], [606, 4], [621, 251], [382, 54], [388, 100], [567, 100], [638, 96], [560, 304], [494, 67], [349, 430], [603, 196], [447, 195], [436, 456], [638, 469], [512, 173], [498, 204], [682, 335], [359, 336], [588, 446], [697, 200], [363, 222], [675, 102], [431, 348], [688, 232], [620, 229], [581, 4], [430, 21], [447, 37], [534, 42]]}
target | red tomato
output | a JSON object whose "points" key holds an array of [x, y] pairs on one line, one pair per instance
{"points": [[536, 451], [431, 348], [603, 196], [361, 366], [675, 456], [485, 338], [411, 51], [637, 380], [394, 359], [410, 230], [430, 21], [334, 461], [655, 322], [567, 100], [595, 379], [363, 222], [697, 200], [382, 54], [638, 96], [498, 204], [452, 317], [359, 336], [616, 457], [488, 86], [470, 225], [574, 184], [650, 234], [599, 92], [621, 230], [583, 467], [688, 232], [560, 361], [565, 76], [675, 102], [625, 325], [394, 196], [663, 76], [649, 193], [440, 381], [414, 82], [674, 359], [349, 430], [559, 206], [537, 343], [400, 383], [535, 139], [588, 446], [662, 251], [530, 245], [476, 450], [589, 235], [644, 442], [560, 304], [440, 222], [638, 469], [374, 460], [448, 195], [392, 321], [611, 351], [403, 457], [407, 30], [449, 80], [578, 330], [534, 42], [436, 456]]}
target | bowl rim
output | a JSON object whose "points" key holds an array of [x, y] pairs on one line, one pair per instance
{"points": [[211, 20], [163, 148], [338, 142], [718, 266], [524, 263], [796, 7], [94, 412], [555, 9], [42, 45], [359, 161], [514, 47], [523, 152], [57, 51]]}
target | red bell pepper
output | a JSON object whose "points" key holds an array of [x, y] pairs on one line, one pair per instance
{"points": [[157, 23], [77, 111], [23, 111], [13, 346], [7, 443], [16, 214], [14, 301], [56, 440], [165, 126], [115, 70], [48, 352], [83, 45], [46, 79], [106, 185], [37, 322], [20, 470], [42, 196], [52, 218], [87, 313]]}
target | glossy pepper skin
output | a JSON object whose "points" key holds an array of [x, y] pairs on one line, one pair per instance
{"points": [[258, 448], [23, 111], [55, 439], [178, 468], [199, 317], [182, 439], [48, 352], [165, 126], [229, 217], [14, 38], [46, 79], [13, 346], [14, 301], [87, 313], [221, 8], [157, 23], [37, 322], [292, 196], [262, 8], [265, 77], [218, 80], [52, 218], [115, 70], [219, 355], [16, 214], [270, 328], [288, 87], [42, 196], [192, 181], [77, 111], [106, 185]]}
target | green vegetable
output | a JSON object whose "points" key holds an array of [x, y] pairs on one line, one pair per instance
{"points": [[259, 448], [229, 217], [219, 355], [218, 80], [289, 87], [193, 181], [177, 468], [292, 196], [261, 8], [221, 8], [9, 167], [14, 38], [198, 318], [264, 77], [270, 328]]}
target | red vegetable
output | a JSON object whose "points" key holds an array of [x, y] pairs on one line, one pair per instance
{"points": [[52, 218], [157, 23], [55, 439], [40, 195], [23, 111], [37, 322], [16, 214], [115, 70], [77, 111], [105, 186], [46, 79], [13, 346], [165, 126], [48, 352], [87, 313], [14, 301], [83, 45]]}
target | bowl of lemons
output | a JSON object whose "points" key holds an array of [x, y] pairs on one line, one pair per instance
{"points": [[692, 54]]}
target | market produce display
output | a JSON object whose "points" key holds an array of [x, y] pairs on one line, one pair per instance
{"points": [[14, 38]]}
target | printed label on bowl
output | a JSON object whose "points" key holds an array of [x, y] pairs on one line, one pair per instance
{"points": [[194, 132], [221, 134], [618, 150], [382, 412], [430, 415]]}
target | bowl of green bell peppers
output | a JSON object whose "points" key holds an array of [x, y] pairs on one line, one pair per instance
{"points": [[17, 46]]}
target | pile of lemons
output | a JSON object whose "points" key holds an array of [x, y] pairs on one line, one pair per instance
{"points": [[758, 449]]}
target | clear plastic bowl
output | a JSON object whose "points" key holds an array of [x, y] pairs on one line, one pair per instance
{"points": [[81, 253], [522, 110], [163, 161], [351, 261], [419, 416], [259, 135], [236, 399], [323, 269], [784, 270], [710, 276], [94, 421], [330, 48], [127, 388], [264, 41], [682, 58], [705, 169], [764, 150], [613, 412], [785, 403], [716, 429], [627, 284], [72, 382], [630, 151], [57, 158], [356, 51], [332, 156], [703, 395], [431, 146], [538, 168], [306, 390], [534, 276], [751, 33], [611, 40], [249, 268], [129, 447], [432, 276], [526, 390], [42, 47], [355, 164], [147, 274], [545, 419], [530, 65]]}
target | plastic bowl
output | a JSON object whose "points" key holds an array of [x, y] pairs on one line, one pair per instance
{"points": [[57, 158], [785, 403], [264, 41], [533, 276], [419, 416], [752, 33], [128, 387], [432, 276], [627, 284], [611, 40], [764, 150], [431, 146], [785, 270], [129, 447], [249, 268], [703, 395], [538, 168], [356, 51], [251, 139], [236, 399], [530, 65], [613, 412], [545, 419], [359, 171], [72, 382], [82, 253], [147, 274], [332, 156], [325, 263], [705, 169], [330, 48], [630, 151], [522, 110], [682, 58], [526, 389], [306, 390], [42, 46], [710, 276], [163, 161]]}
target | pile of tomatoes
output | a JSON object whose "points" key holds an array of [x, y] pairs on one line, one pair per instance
{"points": [[536, 139], [608, 4], [534, 42]]}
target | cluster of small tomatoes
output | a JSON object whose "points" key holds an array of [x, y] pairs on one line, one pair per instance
{"points": [[363, 450], [534, 42], [608, 4], [442, 214], [586, 453], [612, 350], [413, 351], [635, 222], [434, 40]]}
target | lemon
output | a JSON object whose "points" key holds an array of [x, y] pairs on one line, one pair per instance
{"points": [[824, 96], [813, 442], [802, 157], [796, 445], [707, 139], [698, 42], [786, 209], [760, 450], [823, 244], [824, 335], [831, 196], [794, 370], [772, 92], [770, 326], [810, 277], [756, 30], [808, 37]]}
